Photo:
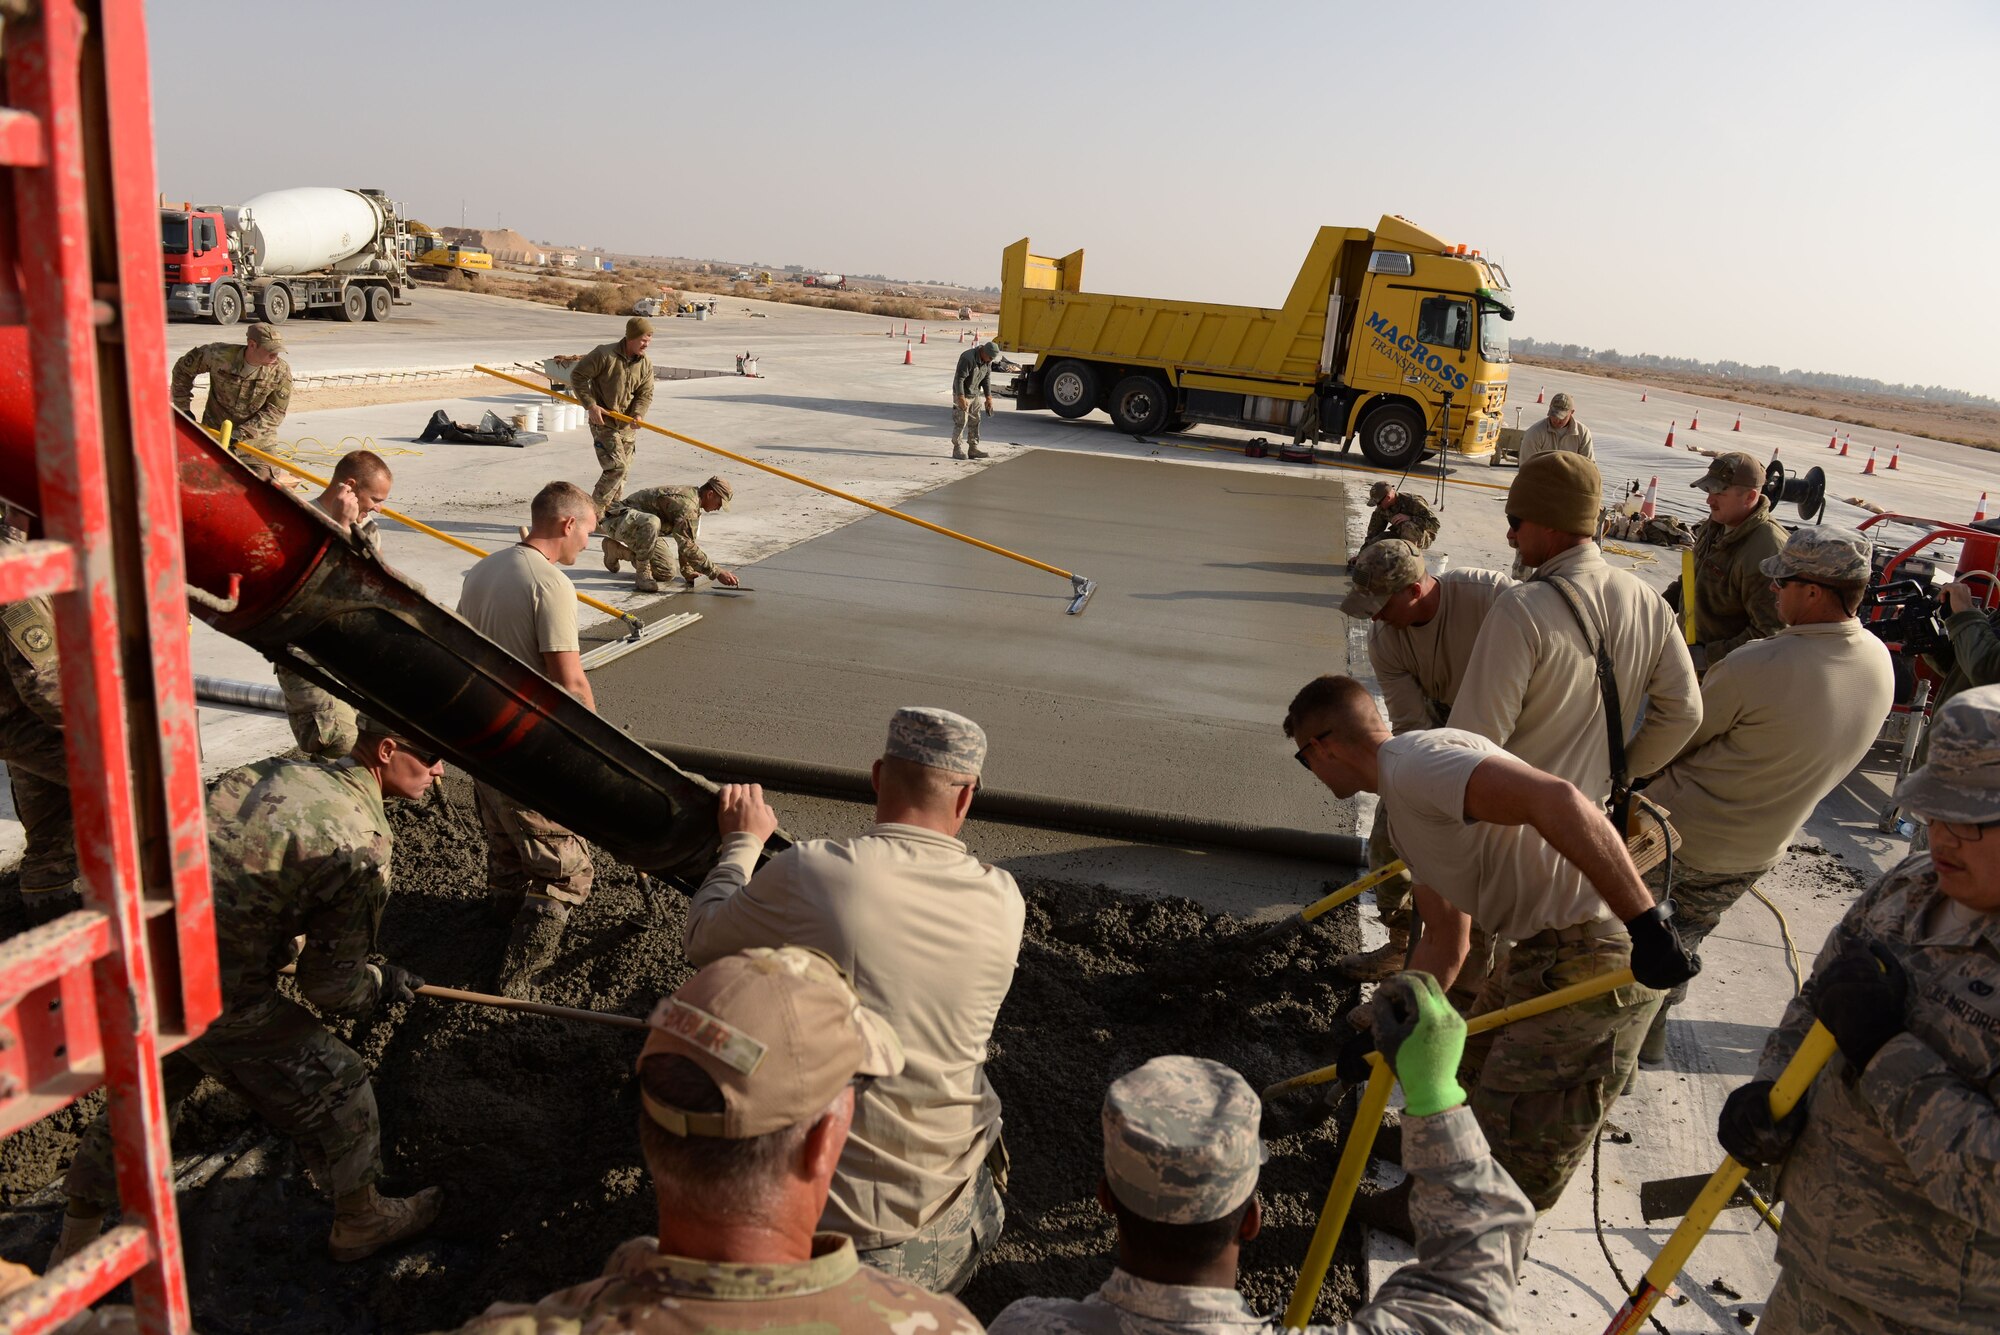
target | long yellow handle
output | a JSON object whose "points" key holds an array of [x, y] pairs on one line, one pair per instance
{"points": [[1346, 892], [1687, 591], [1814, 1052], [416, 524], [1340, 1196], [788, 476]]}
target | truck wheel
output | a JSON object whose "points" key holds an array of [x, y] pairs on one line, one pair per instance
{"points": [[1392, 436], [1071, 389], [1176, 424], [1139, 405], [226, 304], [277, 304], [353, 305], [379, 304]]}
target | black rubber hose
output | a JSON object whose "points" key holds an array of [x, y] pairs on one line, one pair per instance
{"points": [[1028, 808]]}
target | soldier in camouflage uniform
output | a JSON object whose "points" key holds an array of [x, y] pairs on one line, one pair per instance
{"points": [[297, 848], [249, 385], [746, 1091], [1892, 1165], [1398, 514], [639, 529], [1734, 600], [619, 377], [31, 742], [1181, 1160], [322, 723]]}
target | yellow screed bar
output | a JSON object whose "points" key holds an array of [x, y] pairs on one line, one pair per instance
{"points": [[1077, 582]]}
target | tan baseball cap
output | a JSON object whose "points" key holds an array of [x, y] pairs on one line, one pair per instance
{"points": [[779, 1031], [265, 336], [721, 489], [1734, 469]]}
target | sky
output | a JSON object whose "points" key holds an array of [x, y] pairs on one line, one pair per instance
{"points": [[1811, 185]]}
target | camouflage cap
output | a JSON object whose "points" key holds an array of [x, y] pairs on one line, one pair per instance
{"points": [[779, 1031], [1561, 403], [1180, 1140], [1379, 492], [1734, 469], [937, 738], [638, 327], [1960, 782], [1381, 570], [265, 336], [1823, 552], [720, 488], [989, 350]]}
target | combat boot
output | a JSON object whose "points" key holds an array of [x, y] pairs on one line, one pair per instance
{"points": [[1385, 961], [642, 578], [538, 930], [365, 1221], [974, 452], [40, 906], [614, 552], [956, 452], [1653, 1048], [78, 1232]]}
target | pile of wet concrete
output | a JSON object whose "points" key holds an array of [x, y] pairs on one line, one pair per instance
{"points": [[528, 1123]]}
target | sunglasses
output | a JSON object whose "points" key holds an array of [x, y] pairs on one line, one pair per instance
{"points": [[1963, 833], [422, 756], [1513, 522], [1786, 581], [1307, 745]]}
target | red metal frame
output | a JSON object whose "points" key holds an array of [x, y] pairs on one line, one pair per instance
{"points": [[103, 993]]}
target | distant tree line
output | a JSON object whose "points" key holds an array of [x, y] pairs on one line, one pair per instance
{"points": [[1739, 371]]}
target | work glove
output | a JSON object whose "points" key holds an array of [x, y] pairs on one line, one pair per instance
{"points": [[1747, 1130], [1658, 958], [398, 983], [1422, 1037], [1352, 1062], [1859, 998]]}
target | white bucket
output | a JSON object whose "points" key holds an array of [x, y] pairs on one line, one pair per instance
{"points": [[572, 416], [533, 412]]}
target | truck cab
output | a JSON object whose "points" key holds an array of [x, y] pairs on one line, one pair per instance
{"points": [[196, 255]]}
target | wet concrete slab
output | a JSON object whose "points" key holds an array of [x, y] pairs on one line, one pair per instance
{"points": [[1217, 598]]}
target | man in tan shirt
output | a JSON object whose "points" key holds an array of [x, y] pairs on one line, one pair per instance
{"points": [[1532, 684], [516, 597], [930, 935], [1532, 861], [1422, 629], [1784, 720], [1559, 432]]}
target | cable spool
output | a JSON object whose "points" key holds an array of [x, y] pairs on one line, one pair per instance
{"points": [[1808, 492]]}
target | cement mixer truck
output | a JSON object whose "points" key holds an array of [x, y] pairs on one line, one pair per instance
{"points": [[286, 253]]}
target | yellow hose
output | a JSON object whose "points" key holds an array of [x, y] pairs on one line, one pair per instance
{"points": [[1340, 1196]]}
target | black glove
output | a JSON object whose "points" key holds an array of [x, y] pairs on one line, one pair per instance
{"points": [[399, 984], [1658, 958], [1747, 1131], [1859, 998], [1352, 1063]]}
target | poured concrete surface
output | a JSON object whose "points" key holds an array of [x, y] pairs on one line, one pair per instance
{"points": [[1216, 601]]}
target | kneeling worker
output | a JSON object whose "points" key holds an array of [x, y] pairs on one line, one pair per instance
{"points": [[1181, 1161], [639, 528], [1535, 863], [296, 847]]}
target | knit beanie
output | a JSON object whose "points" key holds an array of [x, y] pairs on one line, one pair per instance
{"points": [[1562, 491]]}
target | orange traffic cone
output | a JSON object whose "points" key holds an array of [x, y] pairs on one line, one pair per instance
{"points": [[1694, 423], [1670, 435], [1979, 513], [1538, 396], [1843, 449], [1774, 454], [925, 337], [1869, 467], [908, 360], [1739, 423], [1648, 507], [906, 329], [1642, 396], [1895, 452], [1833, 442]]}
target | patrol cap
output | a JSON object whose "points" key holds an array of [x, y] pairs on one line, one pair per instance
{"points": [[1562, 491], [989, 350], [779, 1031], [1180, 1140], [1561, 403], [638, 327], [1734, 469], [265, 336], [1822, 552], [1379, 492], [1382, 570], [1960, 782], [720, 488], [937, 738]]}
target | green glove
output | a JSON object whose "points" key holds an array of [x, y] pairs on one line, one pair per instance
{"points": [[1422, 1037]]}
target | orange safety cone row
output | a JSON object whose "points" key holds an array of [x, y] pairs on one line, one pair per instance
{"points": [[908, 360], [1670, 435], [1739, 423], [1895, 452], [1869, 467], [1979, 513], [1649, 506]]}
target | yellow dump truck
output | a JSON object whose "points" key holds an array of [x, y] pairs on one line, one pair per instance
{"points": [[1390, 333]]}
